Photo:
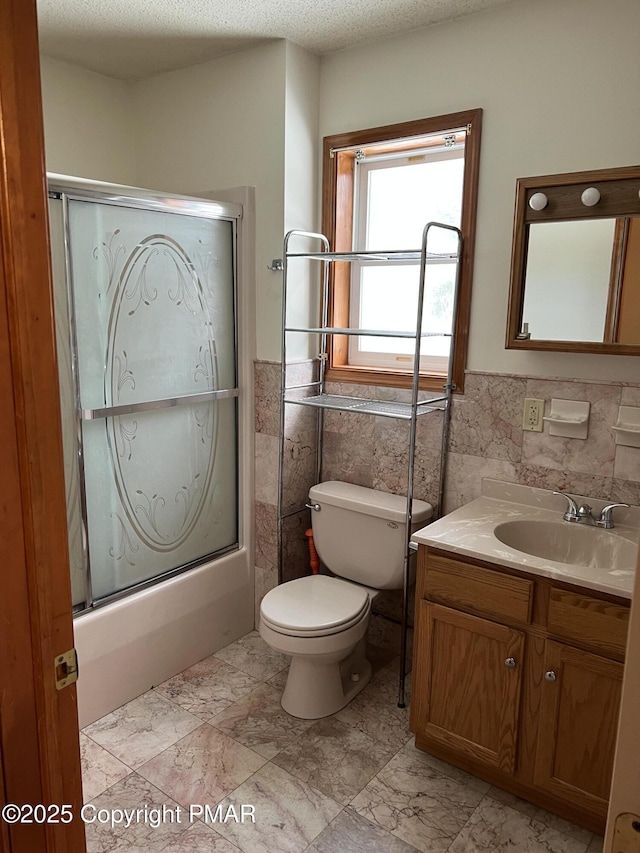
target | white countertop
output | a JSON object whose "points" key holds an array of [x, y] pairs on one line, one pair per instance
{"points": [[469, 531]]}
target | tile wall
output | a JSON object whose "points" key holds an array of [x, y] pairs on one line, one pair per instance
{"points": [[486, 440]]}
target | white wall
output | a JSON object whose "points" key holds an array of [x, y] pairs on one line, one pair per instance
{"points": [[558, 83], [88, 123], [222, 124], [301, 184]]}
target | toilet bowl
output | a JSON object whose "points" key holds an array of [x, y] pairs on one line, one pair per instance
{"points": [[325, 636], [321, 621]]}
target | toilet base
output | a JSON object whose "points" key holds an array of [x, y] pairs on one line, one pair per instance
{"points": [[318, 686]]}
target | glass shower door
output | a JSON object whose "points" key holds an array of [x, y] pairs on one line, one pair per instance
{"points": [[153, 314]]}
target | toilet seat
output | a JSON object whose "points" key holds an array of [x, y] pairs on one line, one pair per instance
{"points": [[314, 606]]}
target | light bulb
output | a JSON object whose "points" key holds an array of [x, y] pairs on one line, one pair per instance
{"points": [[590, 196], [538, 201]]}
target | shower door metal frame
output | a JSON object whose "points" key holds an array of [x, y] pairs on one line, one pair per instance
{"points": [[181, 206]]}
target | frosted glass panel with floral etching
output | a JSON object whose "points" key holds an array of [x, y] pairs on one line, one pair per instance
{"points": [[154, 306]]}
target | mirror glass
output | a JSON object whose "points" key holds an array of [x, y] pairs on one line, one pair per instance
{"points": [[575, 264], [582, 281]]}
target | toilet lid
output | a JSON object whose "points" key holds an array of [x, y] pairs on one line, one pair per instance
{"points": [[315, 603]]}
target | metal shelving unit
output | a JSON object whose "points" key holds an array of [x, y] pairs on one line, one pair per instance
{"points": [[322, 401]]}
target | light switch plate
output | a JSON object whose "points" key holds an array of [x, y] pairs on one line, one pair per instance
{"points": [[532, 415]]}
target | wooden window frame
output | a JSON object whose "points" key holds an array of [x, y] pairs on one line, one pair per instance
{"points": [[337, 224]]}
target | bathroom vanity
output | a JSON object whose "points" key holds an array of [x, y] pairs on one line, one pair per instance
{"points": [[518, 658]]}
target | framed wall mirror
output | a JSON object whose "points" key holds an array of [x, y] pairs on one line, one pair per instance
{"points": [[575, 263]]}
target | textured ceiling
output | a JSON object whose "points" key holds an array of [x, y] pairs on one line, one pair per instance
{"points": [[131, 39]]}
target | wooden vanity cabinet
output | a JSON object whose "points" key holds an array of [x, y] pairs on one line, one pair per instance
{"points": [[517, 679], [578, 725], [473, 700]]}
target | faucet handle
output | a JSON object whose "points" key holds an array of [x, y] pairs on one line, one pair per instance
{"points": [[606, 516], [584, 511], [572, 510]]}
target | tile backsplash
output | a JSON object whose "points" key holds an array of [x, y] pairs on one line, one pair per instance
{"points": [[486, 440]]}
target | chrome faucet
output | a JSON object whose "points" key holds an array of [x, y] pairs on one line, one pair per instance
{"points": [[606, 516], [583, 514]]}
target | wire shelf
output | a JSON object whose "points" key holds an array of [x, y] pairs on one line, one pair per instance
{"points": [[381, 408], [364, 333], [407, 412], [391, 255]]}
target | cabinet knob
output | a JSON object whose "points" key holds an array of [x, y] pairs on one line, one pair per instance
{"points": [[510, 663], [550, 675]]}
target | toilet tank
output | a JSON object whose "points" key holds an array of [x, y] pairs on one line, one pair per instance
{"points": [[359, 533]]}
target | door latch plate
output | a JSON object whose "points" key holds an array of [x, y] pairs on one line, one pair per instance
{"points": [[66, 669]]}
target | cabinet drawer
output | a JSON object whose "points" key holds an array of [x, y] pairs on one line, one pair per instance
{"points": [[474, 588], [597, 623]]}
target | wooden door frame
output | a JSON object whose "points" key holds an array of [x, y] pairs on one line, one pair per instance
{"points": [[38, 724]]}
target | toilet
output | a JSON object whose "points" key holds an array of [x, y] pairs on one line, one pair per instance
{"points": [[320, 620]]}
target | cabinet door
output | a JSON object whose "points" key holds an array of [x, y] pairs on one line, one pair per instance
{"points": [[578, 725], [467, 684]]}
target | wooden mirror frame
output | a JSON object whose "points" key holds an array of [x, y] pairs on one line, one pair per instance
{"points": [[619, 189]]}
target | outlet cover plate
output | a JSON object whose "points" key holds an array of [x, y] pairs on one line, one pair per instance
{"points": [[532, 415]]}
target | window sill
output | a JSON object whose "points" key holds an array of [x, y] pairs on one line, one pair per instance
{"points": [[386, 378]]}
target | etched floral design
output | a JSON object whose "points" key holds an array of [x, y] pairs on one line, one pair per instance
{"points": [[188, 287], [145, 285], [207, 360], [125, 375], [204, 422], [126, 435], [140, 290], [148, 508], [110, 253], [123, 544], [187, 495]]}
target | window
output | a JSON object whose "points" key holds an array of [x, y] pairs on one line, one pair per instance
{"points": [[381, 186]]}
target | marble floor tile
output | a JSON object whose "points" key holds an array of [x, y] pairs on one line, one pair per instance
{"points": [[142, 728], [451, 771], [203, 767], [496, 828], [252, 655], [350, 783], [511, 800], [141, 836], [351, 833], [207, 687], [199, 839], [100, 769], [279, 679], [380, 658], [563, 826], [375, 712], [259, 722], [417, 804], [289, 813], [553, 821], [390, 674], [335, 758]]}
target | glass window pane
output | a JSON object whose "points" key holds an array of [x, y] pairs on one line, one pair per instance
{"points": [[402, 199], [389, 300]]}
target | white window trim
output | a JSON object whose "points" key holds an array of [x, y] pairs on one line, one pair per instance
{"points": [[386, 360]]}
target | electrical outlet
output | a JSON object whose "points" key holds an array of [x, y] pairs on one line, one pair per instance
{"points": [[532, 415]]}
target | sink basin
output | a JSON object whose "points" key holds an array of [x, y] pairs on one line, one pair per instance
{"points": [[572, 544]]}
